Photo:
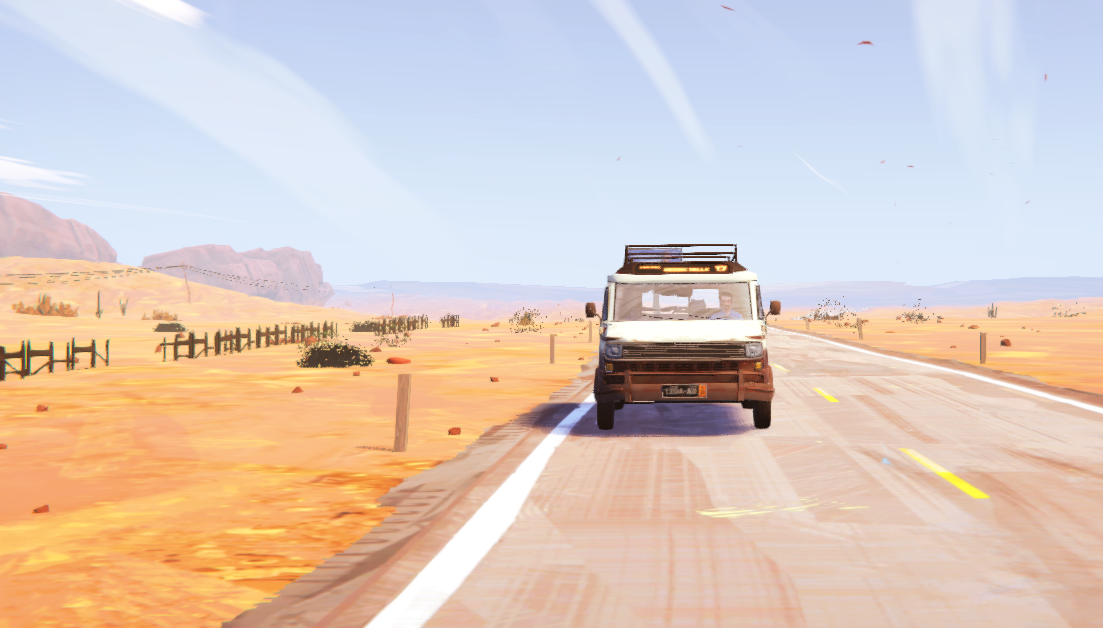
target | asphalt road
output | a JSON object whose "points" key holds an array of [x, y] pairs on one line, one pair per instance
{"points": [[685, 515]]}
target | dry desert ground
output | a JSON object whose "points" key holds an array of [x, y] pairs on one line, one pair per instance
{"points": [[1062, 351], [183, 493]]}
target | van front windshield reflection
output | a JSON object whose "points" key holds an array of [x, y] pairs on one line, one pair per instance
{"points": [[682, 302]]}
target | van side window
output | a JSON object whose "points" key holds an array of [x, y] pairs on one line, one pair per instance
{"points": [[605, 305], [758, 297]]}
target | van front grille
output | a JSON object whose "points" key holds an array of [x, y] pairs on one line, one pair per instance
{"points": [[674, 367], [686, 351]]}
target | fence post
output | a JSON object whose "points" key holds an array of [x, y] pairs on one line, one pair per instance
{"points": [[51, 356], [983, 347], [860, 337], [206, 344], [237, 337], [402, 414], [107, 352], [25, 358], [551, 347], [217, 342], [807, 324], [3, 364], [165, 349], [93, 353], [591, 331]]}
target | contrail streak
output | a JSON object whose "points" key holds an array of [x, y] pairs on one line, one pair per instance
{"points": [[627, 24], [821, 176], [137, 208]]}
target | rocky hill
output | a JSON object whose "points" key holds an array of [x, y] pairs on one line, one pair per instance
{"points": [[30, 230], [284, 274]]}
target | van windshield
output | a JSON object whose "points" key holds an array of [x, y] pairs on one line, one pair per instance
{"points": [[682, 301]]}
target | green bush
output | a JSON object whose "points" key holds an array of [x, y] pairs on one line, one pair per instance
{"points": [[333, 352]]}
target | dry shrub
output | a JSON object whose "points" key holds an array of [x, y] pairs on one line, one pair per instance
{"points": [[159, 315], [46, 308]]}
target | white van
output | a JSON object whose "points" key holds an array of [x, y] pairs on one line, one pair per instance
{"points": [[683, 323]]}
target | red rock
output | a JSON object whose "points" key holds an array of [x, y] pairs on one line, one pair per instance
{"points": [[890, 332], [311, 340], [496, 325], [41, 509], [398, 360], [3, 446], [158, 349], [493, 379], [496, 340], [582, 358], [375, 349], [30, 230], [973, 327], [485, 329], [953, 346], [41, 408], [452, 431], [282, 274], [297, 389], [1006, 342], [356, 373], [181, 335]]}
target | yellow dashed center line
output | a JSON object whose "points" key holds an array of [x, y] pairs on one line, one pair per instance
{"points": [[826, 396], [778, 366], [968, 488]]}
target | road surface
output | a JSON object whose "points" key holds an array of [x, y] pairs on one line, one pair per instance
{"points": [[884, 494]]}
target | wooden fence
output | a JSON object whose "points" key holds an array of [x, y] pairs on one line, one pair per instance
{"points": [[231, 341], [450, 320], [26, 353], [392, 325]]}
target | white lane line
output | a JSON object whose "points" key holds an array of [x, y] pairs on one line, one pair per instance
{"points": [[444, 574], [1029, 391]]}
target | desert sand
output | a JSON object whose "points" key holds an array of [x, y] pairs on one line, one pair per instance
{"points": [[1062, 351], [183, 493]]}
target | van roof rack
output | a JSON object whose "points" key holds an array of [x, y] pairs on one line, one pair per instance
{"points": [[659, 259]]}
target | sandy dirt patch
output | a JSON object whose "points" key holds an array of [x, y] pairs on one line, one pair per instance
{"points": [[1061, 351], [183, 493]]}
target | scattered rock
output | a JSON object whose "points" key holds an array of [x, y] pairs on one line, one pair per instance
{"points": [[974, 327], [496, 325], [398, 360], [890, 332], [311, 340], [496, 340], [41, 509], [1024, 327], [582, 358], [297, 389], [1006, 342], [493, 379], [181, 335], [158, 349], [453, 431], [375, 349], [41, 408], [3, 446], [485, 329], [356, 373], [953, 346]]}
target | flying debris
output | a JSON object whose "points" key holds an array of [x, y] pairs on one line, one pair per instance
{"points": [[618, 158], [882, 161], [911, 166], [1026, 203], [865, 42], [1045, 77], [728, 8]]}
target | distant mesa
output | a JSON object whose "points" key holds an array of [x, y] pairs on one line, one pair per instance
{"points": [[284, 274], [30, 230]]}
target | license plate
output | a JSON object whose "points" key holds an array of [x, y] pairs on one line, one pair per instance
{"points": [[684, 390]]}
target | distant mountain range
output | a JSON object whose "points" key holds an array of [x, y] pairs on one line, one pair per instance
{"points": [[490, 300]]}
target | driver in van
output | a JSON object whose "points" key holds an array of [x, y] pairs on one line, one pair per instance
{"points": [[726, 312]]}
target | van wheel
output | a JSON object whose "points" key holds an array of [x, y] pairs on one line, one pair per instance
{"points": [[762, 414], [619, 405], [605, 415]]}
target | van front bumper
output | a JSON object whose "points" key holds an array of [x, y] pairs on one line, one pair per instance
{"points": [[723, 387]]}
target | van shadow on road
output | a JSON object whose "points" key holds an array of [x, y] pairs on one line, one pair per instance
{"points": [[660, 419]]}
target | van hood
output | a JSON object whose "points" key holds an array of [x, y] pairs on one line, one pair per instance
{"points": [[684, 331]]}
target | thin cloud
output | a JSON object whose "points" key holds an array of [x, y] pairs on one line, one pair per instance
{"points": [[108, 204], [624, 20], [25, 174], [821, 176], [175, 10], [241, 98]]}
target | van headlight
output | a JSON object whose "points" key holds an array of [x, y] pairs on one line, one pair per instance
{"points": [[613, 352], [752, 350]]}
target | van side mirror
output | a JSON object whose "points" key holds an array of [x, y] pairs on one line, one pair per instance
{"points": [[775, 308], [591, 310]]}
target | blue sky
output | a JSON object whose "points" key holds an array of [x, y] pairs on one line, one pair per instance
{"points": [[479, 140]]}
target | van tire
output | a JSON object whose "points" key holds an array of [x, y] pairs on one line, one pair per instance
{"points": [[761, 411], [619, 405], [605, 413]]}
